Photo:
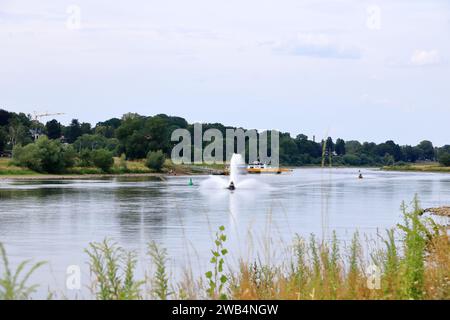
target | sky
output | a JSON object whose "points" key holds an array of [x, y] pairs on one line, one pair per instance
{"points": [[364, 70]]}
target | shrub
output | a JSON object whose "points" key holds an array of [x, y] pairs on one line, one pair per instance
{"points": [[102, 159], [444, 159], [45, 155], [28, 157], [85, 158], [51, 155], [155, 160], [69, 156]]}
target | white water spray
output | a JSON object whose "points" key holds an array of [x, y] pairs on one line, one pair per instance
{"points": [[236, 165], [236, 171]]}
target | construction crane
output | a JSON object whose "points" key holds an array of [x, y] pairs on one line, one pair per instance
{"points": [[35, 118]]}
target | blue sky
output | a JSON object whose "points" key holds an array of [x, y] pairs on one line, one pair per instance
{"points": [[366, 70]]}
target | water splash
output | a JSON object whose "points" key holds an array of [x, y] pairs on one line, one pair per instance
{"points": [[237, 171], [236, 166]]}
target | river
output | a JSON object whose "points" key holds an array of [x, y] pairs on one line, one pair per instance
{"points": [[55, 220]]}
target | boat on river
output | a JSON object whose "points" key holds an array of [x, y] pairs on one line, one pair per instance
{"points": [[259, 167]]}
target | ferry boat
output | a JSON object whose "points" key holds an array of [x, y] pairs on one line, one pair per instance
{"points": [[259, 167]]}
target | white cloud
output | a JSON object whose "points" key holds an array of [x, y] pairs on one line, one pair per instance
{"points": [[425, 58], [317, 45]]}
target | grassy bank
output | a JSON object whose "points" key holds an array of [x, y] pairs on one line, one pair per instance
{"points": [[8, 168], [419, 167], [413, 263], [136, 167]]}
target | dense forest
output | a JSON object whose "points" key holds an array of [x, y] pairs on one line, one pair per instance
{"points": [[134, 136]]}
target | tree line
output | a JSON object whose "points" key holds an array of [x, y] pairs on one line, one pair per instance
{"points": [[135, 136]]}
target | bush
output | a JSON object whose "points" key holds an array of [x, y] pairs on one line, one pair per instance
{"points": [[27, 156], [155, 160], [444, 159], [85, 158], [47, 156], [69, 156], [102, 159]]}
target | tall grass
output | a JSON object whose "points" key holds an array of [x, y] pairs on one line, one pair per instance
{"points": [[413, 263], [113, 270], [13, 286], [160, 279]]}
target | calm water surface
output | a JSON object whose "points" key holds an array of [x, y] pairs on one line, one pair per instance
{"points": [[55, 220]]}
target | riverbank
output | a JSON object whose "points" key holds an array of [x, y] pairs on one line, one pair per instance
{"points": [[37, 176], [9, 171], [439, 211], [419, 167]]}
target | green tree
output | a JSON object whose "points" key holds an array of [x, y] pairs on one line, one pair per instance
{"points": [[5, 116], [69, 156], [388, 160], [353, 147], [157, 133], [411, 154], [444, 149], [85, 128], [85, 158], [102, 159], [427, 150], [155, 160], [132, 140], [18, 133], [340, 147], [95, 141], [73, 131], [352, 160], [391, 148], [288, 149], [51, 154], [3, 139], [444, 159], [53, 129], [330, 145]]}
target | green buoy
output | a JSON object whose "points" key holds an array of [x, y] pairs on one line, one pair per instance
{"points": [[190, 182]]}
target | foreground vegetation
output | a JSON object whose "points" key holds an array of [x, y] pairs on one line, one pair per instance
{"points": [[414, 263]]}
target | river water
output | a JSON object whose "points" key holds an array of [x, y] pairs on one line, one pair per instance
{"points": [[55, 220]]}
